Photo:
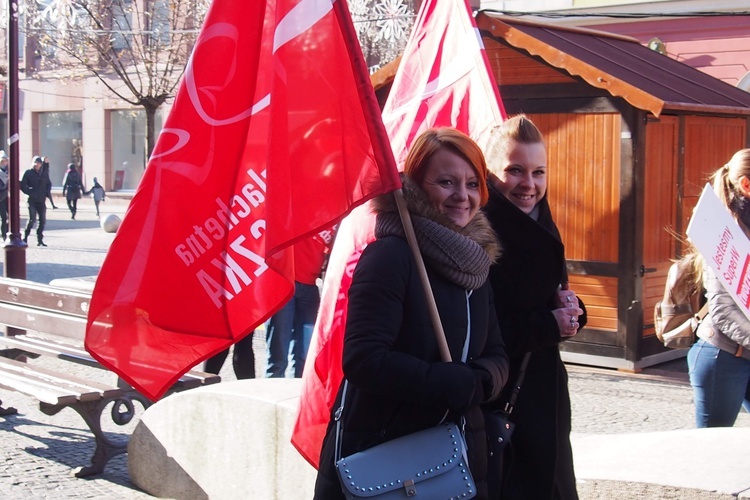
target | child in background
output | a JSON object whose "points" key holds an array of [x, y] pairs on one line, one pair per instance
{"points": [[99, 195]]}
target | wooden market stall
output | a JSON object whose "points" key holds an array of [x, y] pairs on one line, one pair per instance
{"points": [[632, 136]]}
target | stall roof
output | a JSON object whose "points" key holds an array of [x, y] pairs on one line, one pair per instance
{"points": [[620, 65]]}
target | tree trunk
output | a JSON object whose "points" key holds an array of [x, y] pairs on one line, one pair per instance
{"points": [[150, 129]]}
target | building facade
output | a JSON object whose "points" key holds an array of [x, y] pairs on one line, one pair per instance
{"points": [[68, 114]]}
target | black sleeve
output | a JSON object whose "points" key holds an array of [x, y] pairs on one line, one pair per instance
{"points": [[380, 288], [25, 183]]}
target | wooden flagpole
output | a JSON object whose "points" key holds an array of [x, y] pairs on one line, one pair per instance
{"points": [[411, 238]]}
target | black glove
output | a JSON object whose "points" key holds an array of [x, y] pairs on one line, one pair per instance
{"points": [[456, 384]]}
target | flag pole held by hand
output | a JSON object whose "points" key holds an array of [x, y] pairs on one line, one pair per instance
{"points": [[411, 238]]}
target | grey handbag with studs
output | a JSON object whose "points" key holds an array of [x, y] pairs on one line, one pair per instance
{"points": [[429, 464]]}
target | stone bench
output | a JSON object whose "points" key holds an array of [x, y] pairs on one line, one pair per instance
{"points": [[233, 441], [230, 440]]}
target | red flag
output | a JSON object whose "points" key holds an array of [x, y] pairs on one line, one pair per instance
{"points": [[444, 79], [275, 133]]}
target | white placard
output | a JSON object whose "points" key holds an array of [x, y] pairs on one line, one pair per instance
{"points": [[718, 237]]}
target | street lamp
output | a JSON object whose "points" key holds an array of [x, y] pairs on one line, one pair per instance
{"points": [[15, 248]]}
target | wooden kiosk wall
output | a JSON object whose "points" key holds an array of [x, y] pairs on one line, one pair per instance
{"points": [[619, 178]]}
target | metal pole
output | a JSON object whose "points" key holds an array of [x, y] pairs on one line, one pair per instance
{"points": [[15, 248]]}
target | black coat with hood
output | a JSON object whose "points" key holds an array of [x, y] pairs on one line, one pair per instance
{"points": [[397, 381], [525, 280], [36, 184]]}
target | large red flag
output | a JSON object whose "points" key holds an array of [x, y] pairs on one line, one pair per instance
{"points": [[444, 79], [275, 133]]}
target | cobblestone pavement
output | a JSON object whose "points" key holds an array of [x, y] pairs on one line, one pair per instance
{"points": [[39, 452]]}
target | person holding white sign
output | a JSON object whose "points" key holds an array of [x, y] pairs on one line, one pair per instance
{"points": [[719, 362]]}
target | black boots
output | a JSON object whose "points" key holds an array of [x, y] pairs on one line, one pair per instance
{"points": [[39, 241]]}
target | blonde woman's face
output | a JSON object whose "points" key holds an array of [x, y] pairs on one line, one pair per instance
{"points": [[523, 174], [452, 185]]}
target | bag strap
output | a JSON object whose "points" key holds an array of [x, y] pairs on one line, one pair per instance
{"points": [[702, 312], [517, 386], [339, 425]]}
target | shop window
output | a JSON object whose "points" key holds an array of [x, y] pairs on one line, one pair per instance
{"points": [[60, 139], [129, 156]]}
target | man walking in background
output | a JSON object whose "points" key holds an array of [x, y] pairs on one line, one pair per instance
{"points": [[36, 184]]}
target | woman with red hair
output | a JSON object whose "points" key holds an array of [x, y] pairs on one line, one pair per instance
{"points": [[397, 381]]}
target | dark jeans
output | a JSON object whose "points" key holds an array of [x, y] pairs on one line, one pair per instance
{"points": [[73, 206], [37, 209], [243, 360], [4, 218], [288, 327]]}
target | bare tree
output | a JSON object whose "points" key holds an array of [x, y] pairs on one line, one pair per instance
{"points": [[138, 49]]}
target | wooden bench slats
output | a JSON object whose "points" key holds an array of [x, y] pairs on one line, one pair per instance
{"points": [[47, 347], [74, 384], [203, 377], [43, 394], [50, 297], [40, 320], [54, 387]]}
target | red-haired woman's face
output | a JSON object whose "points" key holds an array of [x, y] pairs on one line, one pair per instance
{"points": [[523, 179], [452, 185]]}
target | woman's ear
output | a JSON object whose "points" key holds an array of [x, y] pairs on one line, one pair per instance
{"points": [[745, 186]]}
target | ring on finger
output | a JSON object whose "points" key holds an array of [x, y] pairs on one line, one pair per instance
{"points": [[572, 320]]}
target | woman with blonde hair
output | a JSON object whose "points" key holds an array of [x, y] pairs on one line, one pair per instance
{"points": [[537, 311], [397, 381], [719, 362]]}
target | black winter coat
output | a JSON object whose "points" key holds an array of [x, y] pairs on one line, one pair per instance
{"points": [[539, 461], [36, 184], [72, 185], [397, 382]]}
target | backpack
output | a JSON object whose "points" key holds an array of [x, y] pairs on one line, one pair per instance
{"points": [[678, 314]]}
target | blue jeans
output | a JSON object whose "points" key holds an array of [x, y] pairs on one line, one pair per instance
{"points": [[287, 328], [721, 385]]}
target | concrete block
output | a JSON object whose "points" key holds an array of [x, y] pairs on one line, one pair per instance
{"points": [[229, 440], [715, 459]]}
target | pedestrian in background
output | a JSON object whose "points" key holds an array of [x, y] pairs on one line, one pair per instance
{"points": [[4, 161], [719, 362], [291, 327], [72, 187], [536, 312], [243, 359], [99, 194], [36, 184], [45, 169]]}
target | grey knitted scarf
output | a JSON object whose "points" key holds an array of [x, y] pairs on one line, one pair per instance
{"points": [[454, 256]]}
